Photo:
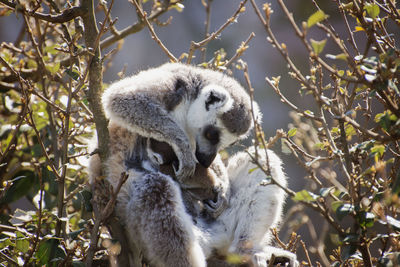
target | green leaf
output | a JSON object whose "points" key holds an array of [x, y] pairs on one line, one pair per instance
{"points": [[32, 64], [350, 131], [318, 46], [22, 185], [49, 251], [396, 184], [179, 7], [53, 68], [50, 179], [5, 129], [252, 170], [336, 204], [78, 264], [351, 238], [22, 243], [389, 259], [325, 191], [72, 73], [305, 196], [75, 234], [393, 222], [21, 217], [40, 115], [292, 132], [378, 150], [309, 112], [344, 210], [315, 18], [393, 86], [233, 258], [372, 10], [348, 251], [338, 56], [6, 242], [51, 49], [366, 219], [386, 120], [87, 197]]}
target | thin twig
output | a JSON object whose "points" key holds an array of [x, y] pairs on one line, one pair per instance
{"points": [[349, 31], [119, 35], [60, 226], [196, 45], [207, 6], [239, 52], [154, 36], [274, 86], [65, 16], [102, 216], [306, 252], [7, 258], [22, 114], [39, 224]]}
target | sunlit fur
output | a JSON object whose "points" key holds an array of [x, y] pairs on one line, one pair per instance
{"points": [[174, 104]]}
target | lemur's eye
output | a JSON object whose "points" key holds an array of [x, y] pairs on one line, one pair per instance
{"points": [[211, 133]]}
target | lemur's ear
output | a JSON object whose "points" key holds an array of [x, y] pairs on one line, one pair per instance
{"points": [[214, 98]]}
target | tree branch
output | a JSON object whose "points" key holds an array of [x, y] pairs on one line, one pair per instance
{"points": [[66, 15], [130, 30], [154, 36], [95, 79]]}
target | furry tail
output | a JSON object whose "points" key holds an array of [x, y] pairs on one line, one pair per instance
{"points": [[165, 229]]}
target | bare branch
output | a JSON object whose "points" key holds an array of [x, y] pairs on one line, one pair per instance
{"points": [[65, 16], [119, 35], [239, 52], [154, 36], [101, 216], [197, 45]]}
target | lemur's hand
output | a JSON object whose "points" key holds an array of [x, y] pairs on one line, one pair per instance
{"points": [[186, 168], [215, 207]]}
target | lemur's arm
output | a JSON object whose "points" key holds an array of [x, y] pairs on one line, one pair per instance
{"points": [[142, 112]]}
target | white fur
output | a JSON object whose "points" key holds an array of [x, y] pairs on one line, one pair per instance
{"points": [[254, 208], [154, 104]]}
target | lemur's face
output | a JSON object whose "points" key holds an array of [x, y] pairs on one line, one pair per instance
{"points": [[206, 128]]}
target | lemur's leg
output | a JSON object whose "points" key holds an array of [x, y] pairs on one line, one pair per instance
{"points": [[158, 220], [255, 207]]}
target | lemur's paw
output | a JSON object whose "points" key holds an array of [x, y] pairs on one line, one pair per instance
{"points": [[216, 206], [186, 169], [281, 257]]}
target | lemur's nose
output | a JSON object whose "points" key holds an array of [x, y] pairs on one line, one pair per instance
{"points": [[205, 159]]}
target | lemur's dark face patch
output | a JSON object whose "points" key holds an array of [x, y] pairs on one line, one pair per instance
{"points": [[207, 144], [212, 134], [214, 98], [238, 119]]}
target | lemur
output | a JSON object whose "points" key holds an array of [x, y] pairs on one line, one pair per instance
{"points": [[197, 112], [204, 196]]}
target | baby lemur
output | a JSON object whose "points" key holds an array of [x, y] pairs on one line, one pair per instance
{"points": [[206, 194]]}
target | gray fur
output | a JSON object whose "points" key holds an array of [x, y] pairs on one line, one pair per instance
{"points": [[170, 215], [144, 104]]}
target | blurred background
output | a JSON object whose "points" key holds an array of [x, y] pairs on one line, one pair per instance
{"points": [[140, 52]]}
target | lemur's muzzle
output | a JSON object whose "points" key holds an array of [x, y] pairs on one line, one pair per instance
{"points": [[205, 159]]}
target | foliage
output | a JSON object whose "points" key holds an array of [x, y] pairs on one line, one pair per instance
{"points": [[347, 141], [50, 82]]}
